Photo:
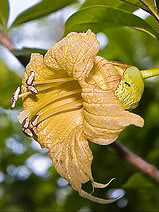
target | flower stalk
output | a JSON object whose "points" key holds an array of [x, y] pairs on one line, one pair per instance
{"points": [[149, 73]]}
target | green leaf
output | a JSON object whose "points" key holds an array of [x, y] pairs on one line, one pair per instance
{"points": [[28, 51], [25, 53], [6, 129], [136, 3], [147, 5], [138, 181], [105, 17], [4, 13], [125, 49], [119, 48], [152, 22], [115, 3], [144, 192], [128, 5], [8, 83], [42, 9]]}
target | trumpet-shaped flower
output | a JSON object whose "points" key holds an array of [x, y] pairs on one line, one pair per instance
{"points": [[71, 96]]}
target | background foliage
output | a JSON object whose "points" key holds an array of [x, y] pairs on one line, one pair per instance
{"points": [[28, 181]]}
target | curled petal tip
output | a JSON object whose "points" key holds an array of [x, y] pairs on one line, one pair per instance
{"points": [[138, 120], [100, 185], [96, 199]]}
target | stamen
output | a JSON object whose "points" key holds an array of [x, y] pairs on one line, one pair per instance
{"points": [[30, 78], [25, 123], [42, 89], [24, 94], [61, 108], [29, 92], [54, 80], [28, 132], [34, 131], [32, 89], [15, 97], [53, 98], [34, 121]]}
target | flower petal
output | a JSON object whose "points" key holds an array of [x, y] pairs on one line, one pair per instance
{"points": [[47, 93], [75, 54], [104, 115], [69, 150], [42, 73]]}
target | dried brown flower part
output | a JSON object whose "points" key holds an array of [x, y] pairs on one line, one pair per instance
{"points": [[75, 102]]}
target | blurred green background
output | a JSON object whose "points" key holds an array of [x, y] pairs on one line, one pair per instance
{"points": [[28, 180]]}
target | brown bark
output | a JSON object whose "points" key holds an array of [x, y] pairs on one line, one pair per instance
{"points": [[135, 160]]}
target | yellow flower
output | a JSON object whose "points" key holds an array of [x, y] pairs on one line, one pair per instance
{"points": [[69, 98]]}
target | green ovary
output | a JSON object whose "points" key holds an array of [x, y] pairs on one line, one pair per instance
{"points": [[130, 88]]}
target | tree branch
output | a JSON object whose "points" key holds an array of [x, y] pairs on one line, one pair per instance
{"points": [[152, 10], [137, 161], [121, 150], [6, 42]]}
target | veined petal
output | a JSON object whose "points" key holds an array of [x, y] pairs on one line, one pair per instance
{"points": [[104, 115], [48, 93], [71, 154], [75, 54]]}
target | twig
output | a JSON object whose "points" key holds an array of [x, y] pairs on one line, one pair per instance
{"points": [[153, 11], [137, 161], [6, 42]]}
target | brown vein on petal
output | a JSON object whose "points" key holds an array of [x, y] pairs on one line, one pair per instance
{"points": [[91, 46], [41, 131], [104, 109], [76, 159], [100, 136], [86, 152], [106, 115], [86, 50], [102, 131], [59, 151], [82, 166], [101, 122], [51, 125], [63, 162]]}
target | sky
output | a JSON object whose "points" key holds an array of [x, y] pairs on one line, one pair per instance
{"points": [[17, 6]]}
